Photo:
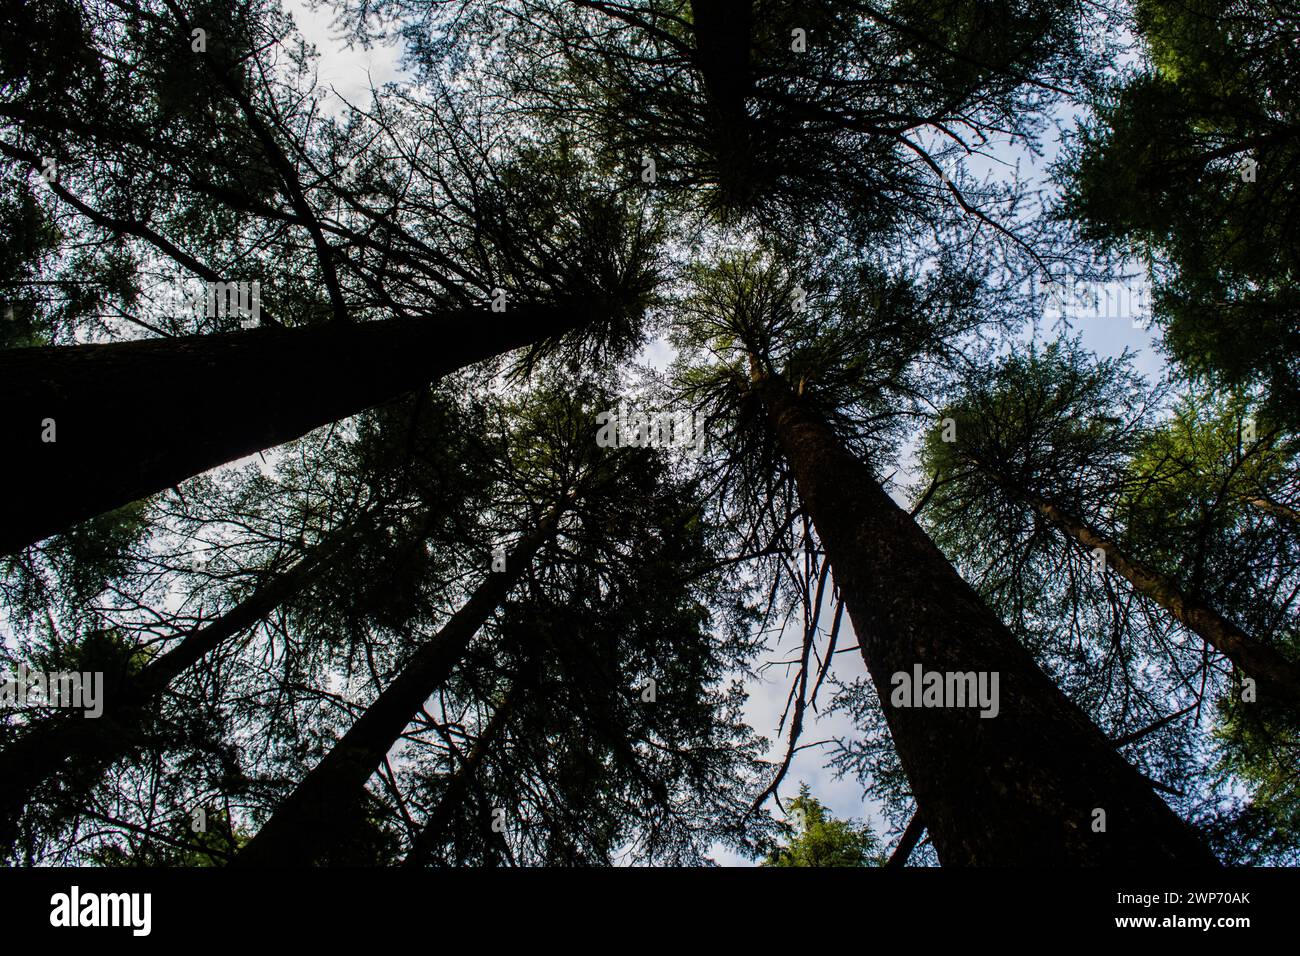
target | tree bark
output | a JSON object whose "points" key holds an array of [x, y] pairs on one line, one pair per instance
{"points": [[310, 822], [1277, 677], [132, 418], [1019, 788], [434, 832], [48, 748]]}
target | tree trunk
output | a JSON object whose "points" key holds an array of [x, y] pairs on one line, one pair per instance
{"points": [[723, 37], [73, 746], [129, 419], [434, 832], [1018, 788], [307, 826], [1277, 677], [722, 43]]}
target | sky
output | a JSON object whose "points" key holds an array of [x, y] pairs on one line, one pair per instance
{"points": [[1106, 331], [348, 72]]}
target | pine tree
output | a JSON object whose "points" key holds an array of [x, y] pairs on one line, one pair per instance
{"points": [[989, 790], [816, 839]]}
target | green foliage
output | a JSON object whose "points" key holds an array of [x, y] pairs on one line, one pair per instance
{"points": [[593, 769], [1200, 493], [181, 846], [840, 138], [1259, 745], [1161, 173], [817, 839], [1217, 463], [50, 589]]}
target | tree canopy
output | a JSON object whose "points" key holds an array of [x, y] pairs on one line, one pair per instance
{"points": [[437, 477]]}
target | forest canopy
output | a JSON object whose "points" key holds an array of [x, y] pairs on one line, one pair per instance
{"points": [[439, 477]]}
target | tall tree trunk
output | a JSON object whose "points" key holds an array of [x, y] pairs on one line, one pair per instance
{"points": [[723, 36], [434, 832], [129, 419], [1277, 677], [1019, 788], [70, 745], [307, 826]]}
